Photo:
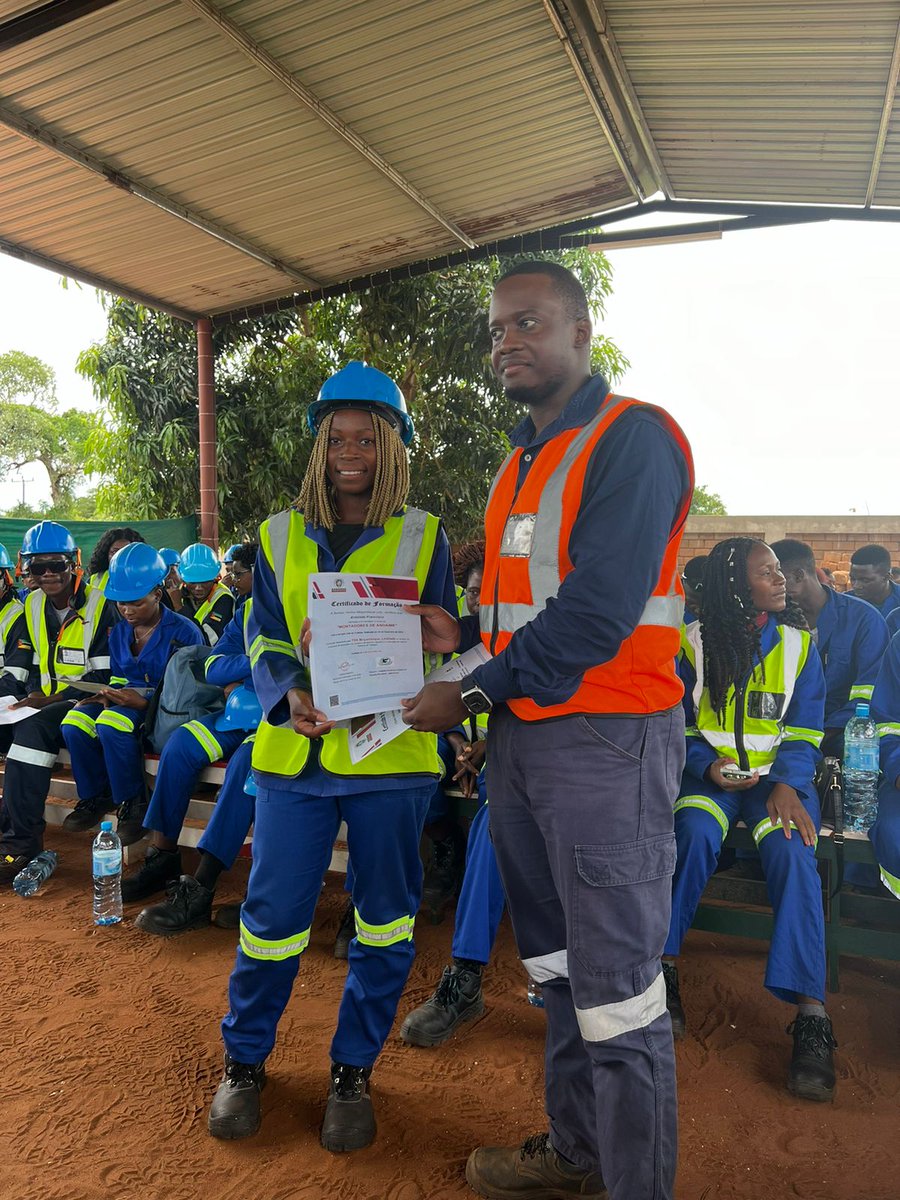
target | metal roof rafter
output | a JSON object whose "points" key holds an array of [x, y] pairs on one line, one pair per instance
{"points": [[54, 15], [612, 134], [254, 51], [44, 137], [890, 92]]}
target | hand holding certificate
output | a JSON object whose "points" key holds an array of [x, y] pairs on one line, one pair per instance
{"points": [[366, 651]]}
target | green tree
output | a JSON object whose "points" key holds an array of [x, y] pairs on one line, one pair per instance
{"points": [[705, 501], [429, 334], [31, 430]]}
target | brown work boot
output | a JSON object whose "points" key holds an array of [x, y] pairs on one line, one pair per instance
{"points": [[534, 1171]]}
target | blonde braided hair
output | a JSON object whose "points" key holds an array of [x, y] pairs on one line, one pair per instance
{"points": [[389, 491]]}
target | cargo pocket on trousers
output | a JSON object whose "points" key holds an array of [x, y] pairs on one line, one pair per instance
{"points": [[621, 903]]}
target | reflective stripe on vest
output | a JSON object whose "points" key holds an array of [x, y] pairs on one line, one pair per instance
{"points": [[209, 603], [405, 548], [9, 614], [757, 745], [527, 558], [76, 635]]}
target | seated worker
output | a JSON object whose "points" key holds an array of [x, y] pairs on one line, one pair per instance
{"points": [[228, 559], [172, 559], [188, 904], [870, 578], [12, 619], [104, 732], [755, 704], [203, 597], [192, 748], [885, 833], [66, 637], [351, 516], [893, 622], [108, 544], [849, 634], [692, 582]]}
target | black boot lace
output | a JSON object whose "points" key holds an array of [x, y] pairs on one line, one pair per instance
{"points": [[813, 1035], [536, 1146], [447, 991], [349, 1082], [670, 975], [241, 1074]]}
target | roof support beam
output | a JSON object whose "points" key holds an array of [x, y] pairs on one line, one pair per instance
{"points": [[43, 137], [890, 92], [107, 285], [592, 22], [53, 15], [611, 134], [254, 51]]}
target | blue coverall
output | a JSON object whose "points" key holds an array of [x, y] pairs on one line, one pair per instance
{"points": [[704, 813], [297, 820], [198, 744], [481, 897], [885, 833], [851, 637]]}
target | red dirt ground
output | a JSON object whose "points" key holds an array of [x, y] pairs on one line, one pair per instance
{"points": [[111, 1053]]}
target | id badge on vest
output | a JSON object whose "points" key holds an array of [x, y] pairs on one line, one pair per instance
{"points": [[71, 656], [518, 535]]}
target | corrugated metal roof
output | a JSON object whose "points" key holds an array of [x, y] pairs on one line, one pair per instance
{"points": [[450, 122]]}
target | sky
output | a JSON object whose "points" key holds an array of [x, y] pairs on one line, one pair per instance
{"points": [[777, 350]]}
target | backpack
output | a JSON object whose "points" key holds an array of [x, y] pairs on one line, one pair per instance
{"points": [[184, 695]]}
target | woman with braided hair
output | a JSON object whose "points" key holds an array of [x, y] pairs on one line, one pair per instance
{"points": [[351, 516], [754, 705]]}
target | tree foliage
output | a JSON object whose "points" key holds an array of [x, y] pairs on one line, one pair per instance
{"points": [[705, 501], [33, 431], [428, 334]]}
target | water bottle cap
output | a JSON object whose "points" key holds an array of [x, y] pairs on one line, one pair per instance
{"points": [[106, 826], [862, 708]]}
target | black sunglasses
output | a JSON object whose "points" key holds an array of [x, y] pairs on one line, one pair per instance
{"points": [[59, 566]]}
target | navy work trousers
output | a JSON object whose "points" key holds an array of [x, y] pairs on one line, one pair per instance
{"points": [[581, 812]]}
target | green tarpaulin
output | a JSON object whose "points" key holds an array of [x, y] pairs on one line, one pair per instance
{"points": [[177, 533]]}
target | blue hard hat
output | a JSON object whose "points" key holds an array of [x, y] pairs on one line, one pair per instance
{"points": [[250, 785], [360, 386], [198, 563], [5, 560], [229, 553], [48, 538], [242, 710], [170, 557], [134, 571]]}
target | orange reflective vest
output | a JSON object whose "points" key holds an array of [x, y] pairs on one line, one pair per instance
{"points": [[527, 558]]}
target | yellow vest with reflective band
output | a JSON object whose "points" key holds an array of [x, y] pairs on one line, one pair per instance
{"points": [[99, 580], [206, 607], [72, 653], [755, 718], [9, 614], [405, 548]]}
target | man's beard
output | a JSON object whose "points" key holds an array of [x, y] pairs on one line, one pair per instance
{"points": [[532, 397]]}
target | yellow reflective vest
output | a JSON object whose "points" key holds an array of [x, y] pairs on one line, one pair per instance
{"points": [[405, 548], [72, 652], [9, 614]]}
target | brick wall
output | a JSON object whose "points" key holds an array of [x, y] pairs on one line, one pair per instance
{"points": [[833, 539]]}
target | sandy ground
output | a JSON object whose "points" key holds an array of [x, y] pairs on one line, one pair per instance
{"points": [[110, 1054]]}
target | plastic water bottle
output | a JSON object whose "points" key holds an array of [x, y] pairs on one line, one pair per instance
{"points": [[107, 855], [30, 878], [535, 994], [860, 771]]}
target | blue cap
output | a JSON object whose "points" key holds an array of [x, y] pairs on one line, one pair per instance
{"points": [[360, 386], [134, 571], [199, 564], [862, 708], [106, 826]]}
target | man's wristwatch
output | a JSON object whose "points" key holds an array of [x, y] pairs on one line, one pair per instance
{"points": [[475, 700]]}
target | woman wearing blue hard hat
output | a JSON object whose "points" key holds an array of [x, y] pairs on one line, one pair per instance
{"points": [[202, 597], [65, 641], [103, 733], [351, 516]]}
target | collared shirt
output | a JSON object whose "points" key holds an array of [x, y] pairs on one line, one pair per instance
{"points": [[889, 605], [634, 487]]}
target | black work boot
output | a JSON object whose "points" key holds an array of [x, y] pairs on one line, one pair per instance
{"points": [[673, 1000], [349, 1119], [346, 932], [234, 1112], [11, 865], [811, 1073], [444, 871], [535, 1169], [457, 998], [158, 868], [130, 820], [188, 905], [87, 814]]}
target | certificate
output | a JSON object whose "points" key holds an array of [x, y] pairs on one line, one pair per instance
{"points": [[366, 652]]}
